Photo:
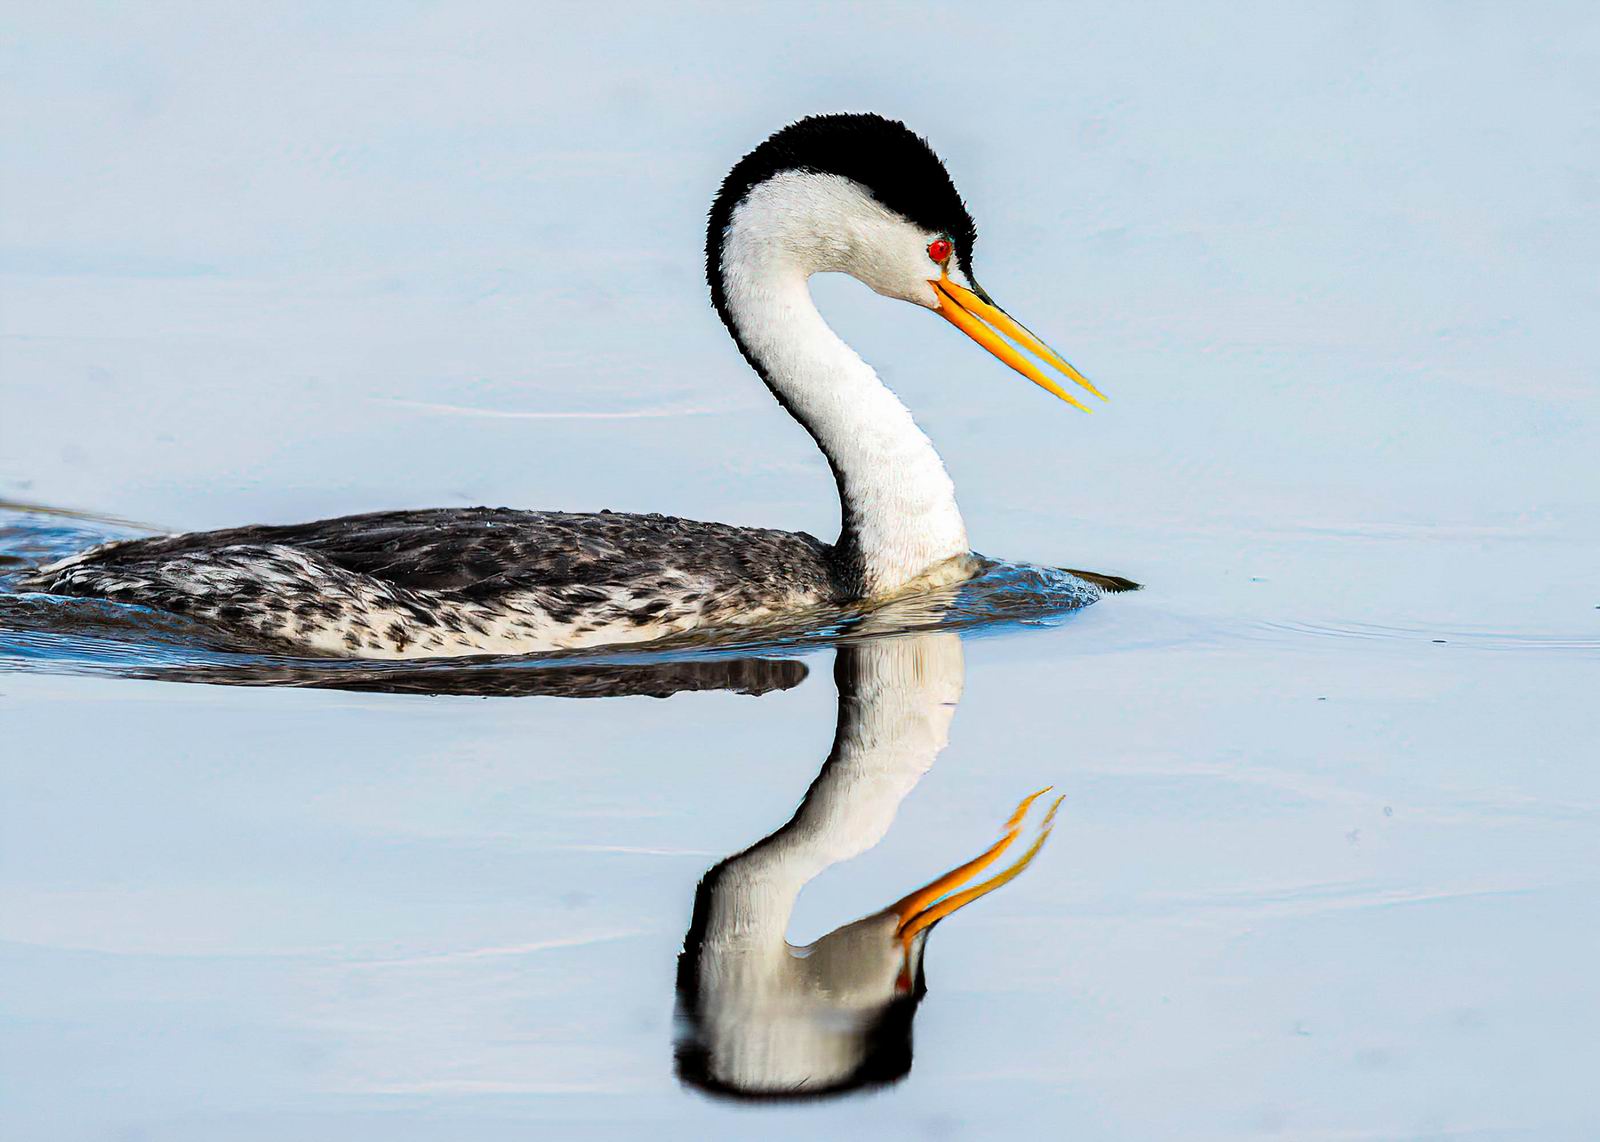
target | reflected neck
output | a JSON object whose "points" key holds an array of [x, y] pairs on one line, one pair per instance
{"points": [[896, 700], [898, 508]]}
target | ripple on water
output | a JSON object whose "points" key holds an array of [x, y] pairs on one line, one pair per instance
{"points": [[1470, 638], [47, 633]]}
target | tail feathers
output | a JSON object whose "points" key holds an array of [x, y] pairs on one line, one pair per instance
{"points": [[48, 576]]}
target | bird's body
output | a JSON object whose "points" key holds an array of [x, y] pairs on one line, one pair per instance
{"points": [[846, 193], [456, 581]]}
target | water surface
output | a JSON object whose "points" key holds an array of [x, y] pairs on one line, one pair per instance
{"points": [[1325, 865]]}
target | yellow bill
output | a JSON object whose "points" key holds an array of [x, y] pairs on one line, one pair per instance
{"points": [[989, 325]]}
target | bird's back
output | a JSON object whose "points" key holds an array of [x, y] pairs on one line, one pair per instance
{"points": [[461, 580]]}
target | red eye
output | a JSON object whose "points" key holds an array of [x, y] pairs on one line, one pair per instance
{"points": [[939, 250]]}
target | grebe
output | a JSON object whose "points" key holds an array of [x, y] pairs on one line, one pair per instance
{"points": [[760, 1018], [856, 194]]}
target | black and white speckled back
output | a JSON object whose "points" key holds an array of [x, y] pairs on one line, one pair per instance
{"points": [[461, 580]]}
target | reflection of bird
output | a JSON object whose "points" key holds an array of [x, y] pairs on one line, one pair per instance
{"points": [[764, 1019], [753, 676], [854, 194]]}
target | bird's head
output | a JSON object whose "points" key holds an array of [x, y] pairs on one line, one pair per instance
{"points": [[866, 196]]}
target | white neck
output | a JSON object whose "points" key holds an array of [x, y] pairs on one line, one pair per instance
{"points": [[898, 506]]}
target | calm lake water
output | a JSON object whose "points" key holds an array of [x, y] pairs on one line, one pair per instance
{"points": [[1325, 863]]}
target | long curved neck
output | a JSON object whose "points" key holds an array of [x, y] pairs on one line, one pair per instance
{"points": [[897, 503]]}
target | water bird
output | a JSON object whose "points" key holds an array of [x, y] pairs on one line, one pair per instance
{"points": [[849, 193], [762, 1019]]}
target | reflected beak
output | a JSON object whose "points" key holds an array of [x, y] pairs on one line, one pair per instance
{"points": [[939, 898], [989, 325]]}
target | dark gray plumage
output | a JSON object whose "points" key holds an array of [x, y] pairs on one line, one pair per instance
{"points": [[458, 580]]}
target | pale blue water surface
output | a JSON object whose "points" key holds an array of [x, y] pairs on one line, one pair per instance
{"points": [[1328, 859]]}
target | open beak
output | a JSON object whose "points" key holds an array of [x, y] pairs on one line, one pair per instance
{"points": [[989, 325], [934, 901]]}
